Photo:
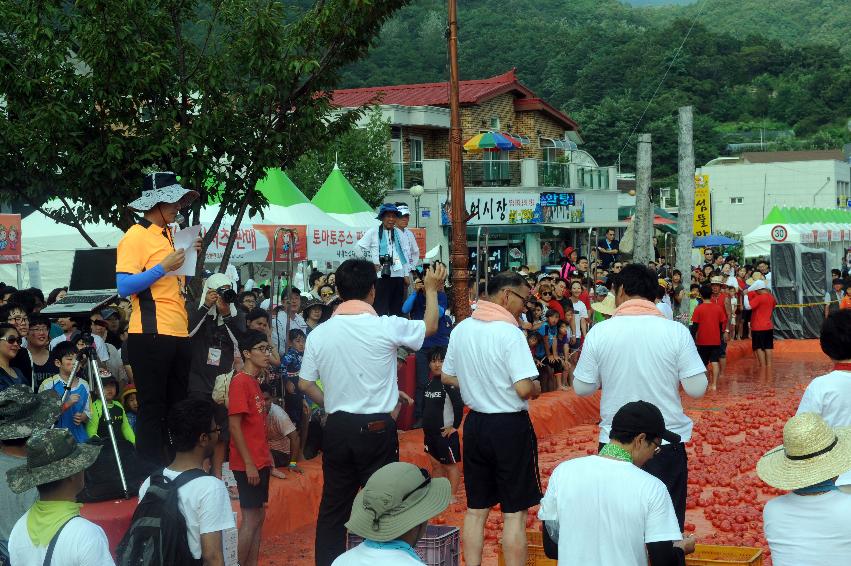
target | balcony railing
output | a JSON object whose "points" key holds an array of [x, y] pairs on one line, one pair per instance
{"points": [[553, 174], [592, 178], [492, 173], [406, 175]]}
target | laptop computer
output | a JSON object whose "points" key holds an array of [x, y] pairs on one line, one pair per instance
{"points": [[92, 283]]}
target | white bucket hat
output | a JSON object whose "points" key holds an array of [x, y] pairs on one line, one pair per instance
{"points": [[162, 186], [812, 452]]}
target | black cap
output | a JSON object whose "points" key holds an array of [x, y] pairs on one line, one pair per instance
{"points": [[641, 416]]}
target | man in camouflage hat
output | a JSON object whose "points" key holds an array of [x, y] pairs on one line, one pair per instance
{"points": [[52, 527], [21, 413]]}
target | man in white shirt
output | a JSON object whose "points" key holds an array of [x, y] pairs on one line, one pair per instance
{"points": [[639, 354], [391, 515], [809, 525], [489, 359], [386, 246], [53, 525], [291, 310], [204, 501], [71, 331], [829, 395], [590, 500], [354, 354], [413, 250]]}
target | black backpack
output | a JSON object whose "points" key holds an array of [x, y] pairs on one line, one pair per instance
{"points": [[157, 534]]}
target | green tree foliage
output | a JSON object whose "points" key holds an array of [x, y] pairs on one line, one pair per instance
{"points": [[98, 91], [600, 61], [363, 155]]}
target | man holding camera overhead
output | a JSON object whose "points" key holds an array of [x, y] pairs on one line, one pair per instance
{"points": [[158, 342], [386, 246]]}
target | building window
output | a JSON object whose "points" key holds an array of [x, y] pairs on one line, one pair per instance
{"points": [[736, 200], [416, 153], [495, 123]]}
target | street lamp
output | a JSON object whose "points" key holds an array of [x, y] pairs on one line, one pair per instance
{"points": [[416, 191]]}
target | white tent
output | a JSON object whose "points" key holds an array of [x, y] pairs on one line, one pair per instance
{"points": [[48, 247], [835, 238], [300, 214], [356, 219]]}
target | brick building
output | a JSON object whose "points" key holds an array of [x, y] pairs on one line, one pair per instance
{"points": [[512, 189]]}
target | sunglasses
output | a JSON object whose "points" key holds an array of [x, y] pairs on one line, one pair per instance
{"points": [[11, 339], [546, 293]]}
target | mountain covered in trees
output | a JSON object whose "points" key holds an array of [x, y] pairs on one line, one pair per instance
{"points": [[774, 69]]}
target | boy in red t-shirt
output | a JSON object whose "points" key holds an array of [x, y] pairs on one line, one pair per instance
{"points": [[762, 328], [709, 327], [250, 455]]}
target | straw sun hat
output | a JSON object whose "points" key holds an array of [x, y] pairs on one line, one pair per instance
{"points": [[812, 452]]}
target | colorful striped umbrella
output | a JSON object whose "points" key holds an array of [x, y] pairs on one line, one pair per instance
{"points": [[492, 141]]}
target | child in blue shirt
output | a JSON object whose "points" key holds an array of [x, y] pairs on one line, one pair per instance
{"points": [[77, 407], [552, 357]]}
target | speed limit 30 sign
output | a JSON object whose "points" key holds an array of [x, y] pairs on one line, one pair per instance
{"points": [[779, 233]]}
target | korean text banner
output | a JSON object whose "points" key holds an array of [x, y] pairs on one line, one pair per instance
{"points": [[10, 238], [498, 208], [254, 243], [339, 243], [702, 206]]}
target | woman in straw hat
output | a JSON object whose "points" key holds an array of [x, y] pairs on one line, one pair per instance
{"points": [[810, 525]]}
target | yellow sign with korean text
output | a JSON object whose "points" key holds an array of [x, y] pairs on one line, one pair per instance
{"points": [[702, 206]]}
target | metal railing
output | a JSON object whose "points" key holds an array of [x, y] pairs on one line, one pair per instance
{"points": [[552, 174], [492, 173], [592, 177], [406, 174]]}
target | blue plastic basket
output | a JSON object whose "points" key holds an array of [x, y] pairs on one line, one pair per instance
{"points": [[441, 546]]}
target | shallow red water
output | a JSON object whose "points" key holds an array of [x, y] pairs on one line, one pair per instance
{"points": [[734, 426]]}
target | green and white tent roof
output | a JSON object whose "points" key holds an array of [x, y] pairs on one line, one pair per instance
{"points": [[337, 196]]}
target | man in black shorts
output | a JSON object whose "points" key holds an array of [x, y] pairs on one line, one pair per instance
{"points": [[496, 373]]}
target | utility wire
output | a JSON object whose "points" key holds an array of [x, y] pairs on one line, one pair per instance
{"points": [[664, 76]]}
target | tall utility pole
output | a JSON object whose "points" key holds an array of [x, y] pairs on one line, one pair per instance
{"points": [[685, 200], [458, 255], [643, 217]]}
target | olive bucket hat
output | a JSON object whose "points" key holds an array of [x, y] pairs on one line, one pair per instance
{"points": [[22, 412], [395, 499], [52, 455]]}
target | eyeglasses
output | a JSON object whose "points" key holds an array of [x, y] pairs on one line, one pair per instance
{"points": [[658, 445], [18, 319], [216, 430], [11, 339], [419, 487], [516, 294], [616, 266], [264, 349]]}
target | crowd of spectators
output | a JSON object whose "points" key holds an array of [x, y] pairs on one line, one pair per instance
{"points": [[291, 381]]}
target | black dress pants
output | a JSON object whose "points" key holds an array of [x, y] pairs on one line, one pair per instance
{"points": [[161, 372], [389, 295], [350, 455]]}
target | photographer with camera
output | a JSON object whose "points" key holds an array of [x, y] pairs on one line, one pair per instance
{"points": [[214, 327], [386, 246]]}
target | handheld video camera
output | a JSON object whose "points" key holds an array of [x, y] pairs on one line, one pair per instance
{"points": [[386, 261], [227, 294]]}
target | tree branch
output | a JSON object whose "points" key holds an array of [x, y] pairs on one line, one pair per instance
{"points": [[58, 218]]}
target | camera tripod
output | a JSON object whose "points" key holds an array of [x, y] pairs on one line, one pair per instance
{"points": [[87, 355]]}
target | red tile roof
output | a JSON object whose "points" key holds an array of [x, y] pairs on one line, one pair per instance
{"points": [[430, 94], [437, 94]]}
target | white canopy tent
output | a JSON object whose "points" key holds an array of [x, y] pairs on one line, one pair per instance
{"points": [[48, 248], [835, 238], [364, 220], [300, 214]]}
